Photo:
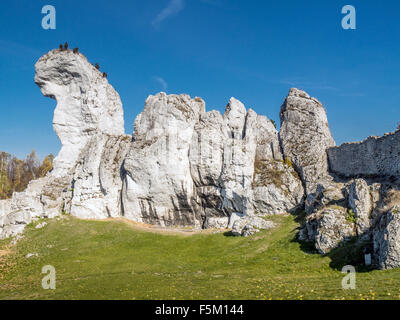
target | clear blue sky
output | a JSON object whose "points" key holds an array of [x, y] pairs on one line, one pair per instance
{"points": [[215, 49]]}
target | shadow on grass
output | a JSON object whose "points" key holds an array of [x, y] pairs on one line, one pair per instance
{"points": [[229, 234], [350, 252]]}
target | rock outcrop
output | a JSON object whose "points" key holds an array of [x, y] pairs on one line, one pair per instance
{"points": [[86, 103], [305, 136], [386, 241], [158, 187], [203, 163], [373, 157], [184, 166], [97, 181], [88, 113]]}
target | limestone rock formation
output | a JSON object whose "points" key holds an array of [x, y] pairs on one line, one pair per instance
{"points": [[361, 205], [373, 157], [97, 180], [88, 108], [86, 103], [277, 188], [305, 137], [184, 166], [330, 228], [203, 163], [386, 241], [248, 226], [158, 187]]}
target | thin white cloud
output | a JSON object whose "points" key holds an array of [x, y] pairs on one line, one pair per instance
{"points": [[173, 8], [162, 82], [308, 84]]}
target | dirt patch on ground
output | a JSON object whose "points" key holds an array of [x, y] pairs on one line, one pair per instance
{"points": [[182, 231], [4, 253]]}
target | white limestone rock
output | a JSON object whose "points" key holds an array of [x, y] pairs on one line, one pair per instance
{"points": [[206, 156], [97, 181], [331, 228], [386, 240], [216, 223], [374, 157], [277, 188], [247, 226], [158, 187], [268, 145], [305, 137], [41, 225], [87, 108], [331, 193], [86, 103], [239, 154], [361, 204]]}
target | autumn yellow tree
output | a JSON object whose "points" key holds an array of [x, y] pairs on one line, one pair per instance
{"points": [[47, 165], [15, 174]]}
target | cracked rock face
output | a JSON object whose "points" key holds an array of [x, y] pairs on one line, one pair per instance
{"points": [[332, 229], [203, 163], [87, 109], [86, 103], [277, 188], [373, 157], [97, 181], [386, 239], [361, 204], [305, 136], [158, 187]]}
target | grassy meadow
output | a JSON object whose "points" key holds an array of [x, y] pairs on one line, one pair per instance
{"points": [[118, 260]]}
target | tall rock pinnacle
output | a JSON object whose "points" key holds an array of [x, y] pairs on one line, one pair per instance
{"points": [[86, 103], [305, 136]]}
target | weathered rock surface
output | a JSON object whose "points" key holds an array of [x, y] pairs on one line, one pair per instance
{"points": [[204, 163], [248, 225], [88, 108], [97, 181], [386, 241], [184, 166], [276, 188], [158, 187], [373, 157], [305, 137], [86, 103], [330, 228], [361, 205]]}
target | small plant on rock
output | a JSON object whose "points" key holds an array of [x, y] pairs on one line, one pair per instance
{"points": [[288, 162], [351, 216]]}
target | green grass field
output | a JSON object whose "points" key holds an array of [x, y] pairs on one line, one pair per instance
{"points": [[114, 260]]}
